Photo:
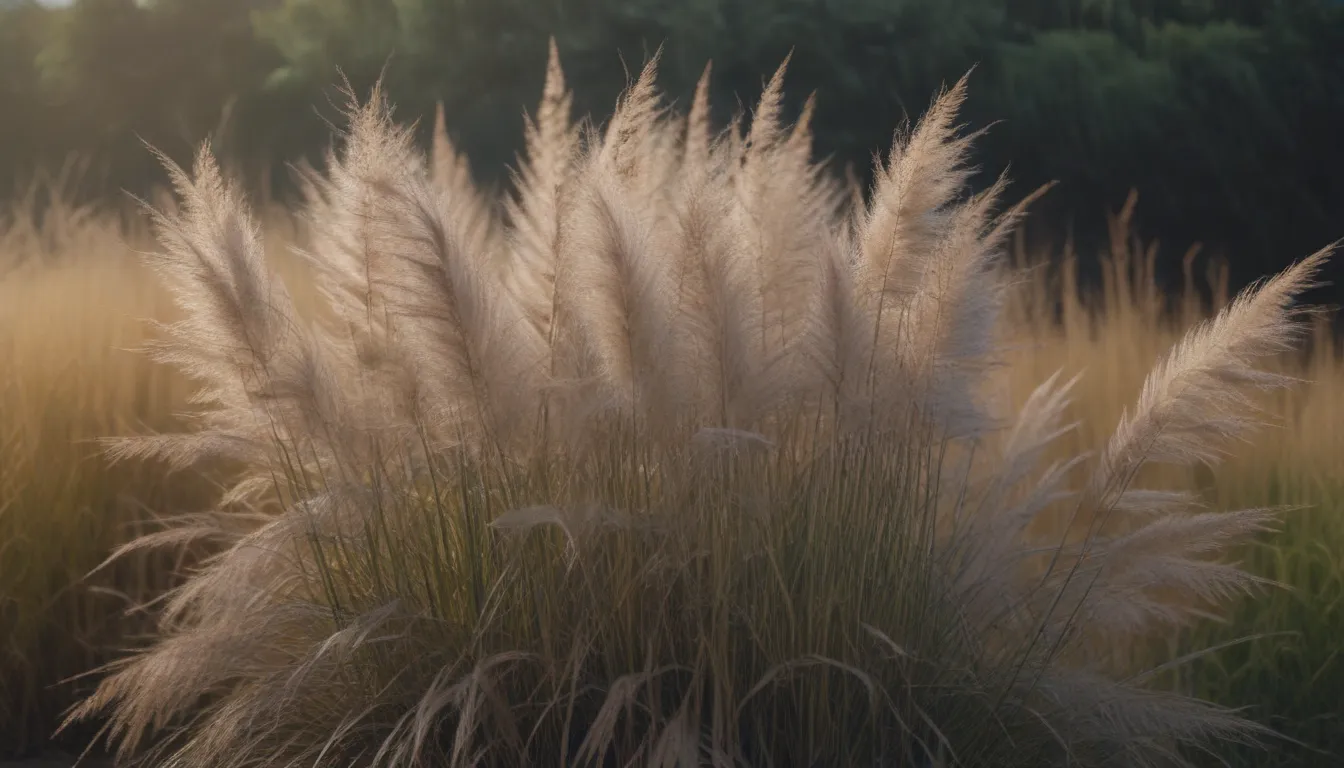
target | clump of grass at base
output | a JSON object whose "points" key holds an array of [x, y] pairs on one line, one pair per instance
{"points": [[688, 462]]}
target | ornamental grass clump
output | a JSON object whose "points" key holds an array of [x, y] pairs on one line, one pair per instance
{"points": [[682, 455]]}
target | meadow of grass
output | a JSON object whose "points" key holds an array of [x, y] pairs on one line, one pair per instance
{"points": [[814, 577], [71, 299], [74, 301], [1280, 650]]}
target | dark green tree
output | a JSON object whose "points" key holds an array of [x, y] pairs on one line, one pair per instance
{"points": [[28, 118]]}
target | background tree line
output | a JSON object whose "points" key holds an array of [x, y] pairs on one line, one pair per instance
{"points": [[1226, 115]]}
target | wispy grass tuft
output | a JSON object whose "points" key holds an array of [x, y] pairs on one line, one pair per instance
{"points": [[687, 459]]}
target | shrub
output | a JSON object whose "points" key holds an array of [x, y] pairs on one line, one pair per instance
{"points": [[682, 458]]}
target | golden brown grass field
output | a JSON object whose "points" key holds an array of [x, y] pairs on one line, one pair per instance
{"points": [[74, 298]]}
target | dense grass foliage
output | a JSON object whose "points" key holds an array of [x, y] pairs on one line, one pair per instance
{"points": [[694, 453], [73, 305], [70, 302], [1277, 655], [1290, 678], [685, 450]]}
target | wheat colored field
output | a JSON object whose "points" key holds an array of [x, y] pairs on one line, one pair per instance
{"points": [[75, 312], [74, 302], [74, 298]]}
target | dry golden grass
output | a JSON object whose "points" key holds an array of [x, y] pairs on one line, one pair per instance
{"points": [[1289, 676], [1121, 327], [74, 300], [72, 305], [71, 300], [793, 529]]}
